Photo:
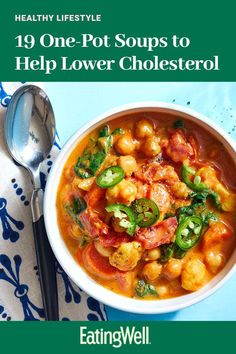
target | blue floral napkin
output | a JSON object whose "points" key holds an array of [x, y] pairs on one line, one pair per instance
{"points": [[20, 296]]}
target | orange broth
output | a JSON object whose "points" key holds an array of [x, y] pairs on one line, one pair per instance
{"points": [[209, 152]]}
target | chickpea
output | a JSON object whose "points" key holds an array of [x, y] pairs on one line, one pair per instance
{"points": [[128, 163], [153, 254], [144, 129], [193, 274], [172, 269], [104, 251], [214, 260], [180, 190], [151, 147], [124, 192], [112, 194], [152, 270], [162, 290], [128, 191], [125, 145]]}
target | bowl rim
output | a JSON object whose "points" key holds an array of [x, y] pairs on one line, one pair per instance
{"points": [[73, 269]]}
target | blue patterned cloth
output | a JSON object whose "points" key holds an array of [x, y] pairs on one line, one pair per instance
{"points": [[20, 296]]}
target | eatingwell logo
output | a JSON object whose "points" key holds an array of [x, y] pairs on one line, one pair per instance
{"points": [[122, 336]]}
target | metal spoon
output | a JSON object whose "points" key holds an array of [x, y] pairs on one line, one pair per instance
{"points": [[30, 133]]}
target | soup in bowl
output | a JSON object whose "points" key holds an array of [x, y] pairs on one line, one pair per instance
{"points": [[145, 205]]}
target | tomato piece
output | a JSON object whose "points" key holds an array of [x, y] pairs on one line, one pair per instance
{"points": [[147, 172], [142, 188], [95, 198], [154, 172], [158, 193], [179, 149], [216, 233], [193, 142], [125, 281], [114, 239], [97, 264], [158, 235], [93, 224]]}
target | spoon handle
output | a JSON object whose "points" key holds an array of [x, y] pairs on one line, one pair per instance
{"points": [[47, 271], [45, 260]]}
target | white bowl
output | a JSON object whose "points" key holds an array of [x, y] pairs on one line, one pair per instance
{"points": [[68, 263]]}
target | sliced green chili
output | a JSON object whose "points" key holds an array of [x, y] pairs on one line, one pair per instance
{"points": [[196, 185], [146, 211], [189, 232], [215, 198], [110, 177], [125, 215]]}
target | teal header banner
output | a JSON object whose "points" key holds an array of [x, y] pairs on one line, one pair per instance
{"points": [[121, 41]]}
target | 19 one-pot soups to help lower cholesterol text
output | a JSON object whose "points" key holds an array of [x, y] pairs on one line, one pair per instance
{"points": [[147, 205]]}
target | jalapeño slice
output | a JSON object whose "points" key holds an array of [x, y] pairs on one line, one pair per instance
{"points": [[189, 232], [146, 211], [125, 215], [196, 185], [110, 177]]}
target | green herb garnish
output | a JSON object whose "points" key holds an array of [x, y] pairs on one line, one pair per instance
{"points": [[118, 131], [142, 289], [167, 252], [75, 209], [178, 124], [105, 131], [94, 154]]}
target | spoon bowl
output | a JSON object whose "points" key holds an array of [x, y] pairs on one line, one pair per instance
{"points": [[30, 127]]}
